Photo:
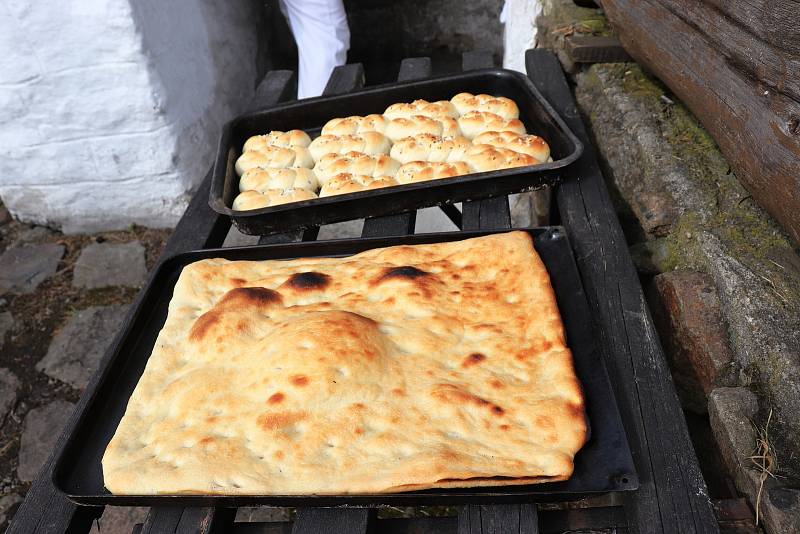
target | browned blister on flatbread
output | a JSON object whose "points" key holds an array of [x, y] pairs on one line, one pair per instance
{"points": [[402, 368]]}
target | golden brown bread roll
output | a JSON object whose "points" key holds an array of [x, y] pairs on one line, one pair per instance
{"points": [[354, 163], [288, 139], [370, 143], [482, 158], [499, 105], [272, 157], [428, 147], [266, 179], [532, 145], [422, 171], [417, 124], [475, 123], [346, 182], [355, 125], [251, 200], [403, 110]]}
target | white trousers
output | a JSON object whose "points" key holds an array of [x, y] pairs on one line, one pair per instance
{"points": [[323, 38]]}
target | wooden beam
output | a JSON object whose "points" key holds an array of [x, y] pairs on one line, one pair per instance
{"points": [[672, 496], [735, 65]]}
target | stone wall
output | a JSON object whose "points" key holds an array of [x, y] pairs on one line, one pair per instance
{"points": [[110, 109], [722, 278]]}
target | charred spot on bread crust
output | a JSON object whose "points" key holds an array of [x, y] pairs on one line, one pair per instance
{"points": [[308, 280], [250, 296], [473, 359], [407, 272]]}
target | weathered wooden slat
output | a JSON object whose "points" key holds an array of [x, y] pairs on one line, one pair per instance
{"points": [[332, 520], [498, 519], [400, 223], [734, 64], [345, 79], [595, 49], [672, 496]]}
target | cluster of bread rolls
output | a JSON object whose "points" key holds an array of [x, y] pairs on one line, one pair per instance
{"points": [[408, 143]]}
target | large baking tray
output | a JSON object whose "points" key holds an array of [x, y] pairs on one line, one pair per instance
{"points": [[604, 464], [310, 115]]}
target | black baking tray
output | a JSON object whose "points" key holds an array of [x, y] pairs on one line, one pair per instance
{"points": [[604, 464], [310, 115]]}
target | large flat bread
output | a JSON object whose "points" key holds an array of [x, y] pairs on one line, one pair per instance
{"points": [[400, 368]]}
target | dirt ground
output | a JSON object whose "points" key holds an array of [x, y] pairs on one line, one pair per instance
{"points": [[37, 318]]}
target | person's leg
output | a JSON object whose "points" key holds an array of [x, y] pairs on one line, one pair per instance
{"points": [[323, 38]]}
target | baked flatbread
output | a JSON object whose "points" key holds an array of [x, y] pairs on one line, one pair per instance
{"points": [[396, 369]]}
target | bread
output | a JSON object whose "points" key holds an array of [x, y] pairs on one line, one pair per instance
{"points": [[407, 127], [252, 200], [428, 147], [369, 143], [346, 182], [532, 145], [288, 139], [355, 125], [499, 105], [396, 369], [355, 163], [272, 157], [482, 158], [422, 171], [475, 123], [291, 178], [439, 109]]}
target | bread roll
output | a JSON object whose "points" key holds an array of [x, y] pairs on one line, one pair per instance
{"points": [[346, 182], [499, 105], [422, 171], [435, 110], [355, 125], [369, 143], [417, 124], [252, 200], [292, 138], [266, 179], [272, 157], [483, 158], [532, 145], [428, 147], [475, 123], [355, 163]]}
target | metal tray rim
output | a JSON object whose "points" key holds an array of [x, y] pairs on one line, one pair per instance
{"points": [[218, 178], [629, 480]]}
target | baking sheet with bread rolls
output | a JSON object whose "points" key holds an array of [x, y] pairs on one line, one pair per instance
{"points": [[410, 142]]}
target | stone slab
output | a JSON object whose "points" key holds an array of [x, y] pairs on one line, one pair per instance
{"points": [[693, 331], [22, 269], [110, 264], [9, 385], [77, 349], [731, 412], [118, 520], [40, 431]]}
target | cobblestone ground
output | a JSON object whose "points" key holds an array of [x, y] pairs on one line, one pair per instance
{"points": [[62, 299]]}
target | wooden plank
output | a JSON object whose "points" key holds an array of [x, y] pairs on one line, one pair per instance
{"points": [[332, 520], [498, 519], [672, 496], [595, 49], [734, 63], [400, 223]]}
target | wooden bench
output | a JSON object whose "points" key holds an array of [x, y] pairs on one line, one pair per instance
{"points": [[672, 496]]}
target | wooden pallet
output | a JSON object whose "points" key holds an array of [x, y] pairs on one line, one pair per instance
{"points": [[672, 496]]}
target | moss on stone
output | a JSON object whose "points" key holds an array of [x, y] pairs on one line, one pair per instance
{"points": [[565, 15]]}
